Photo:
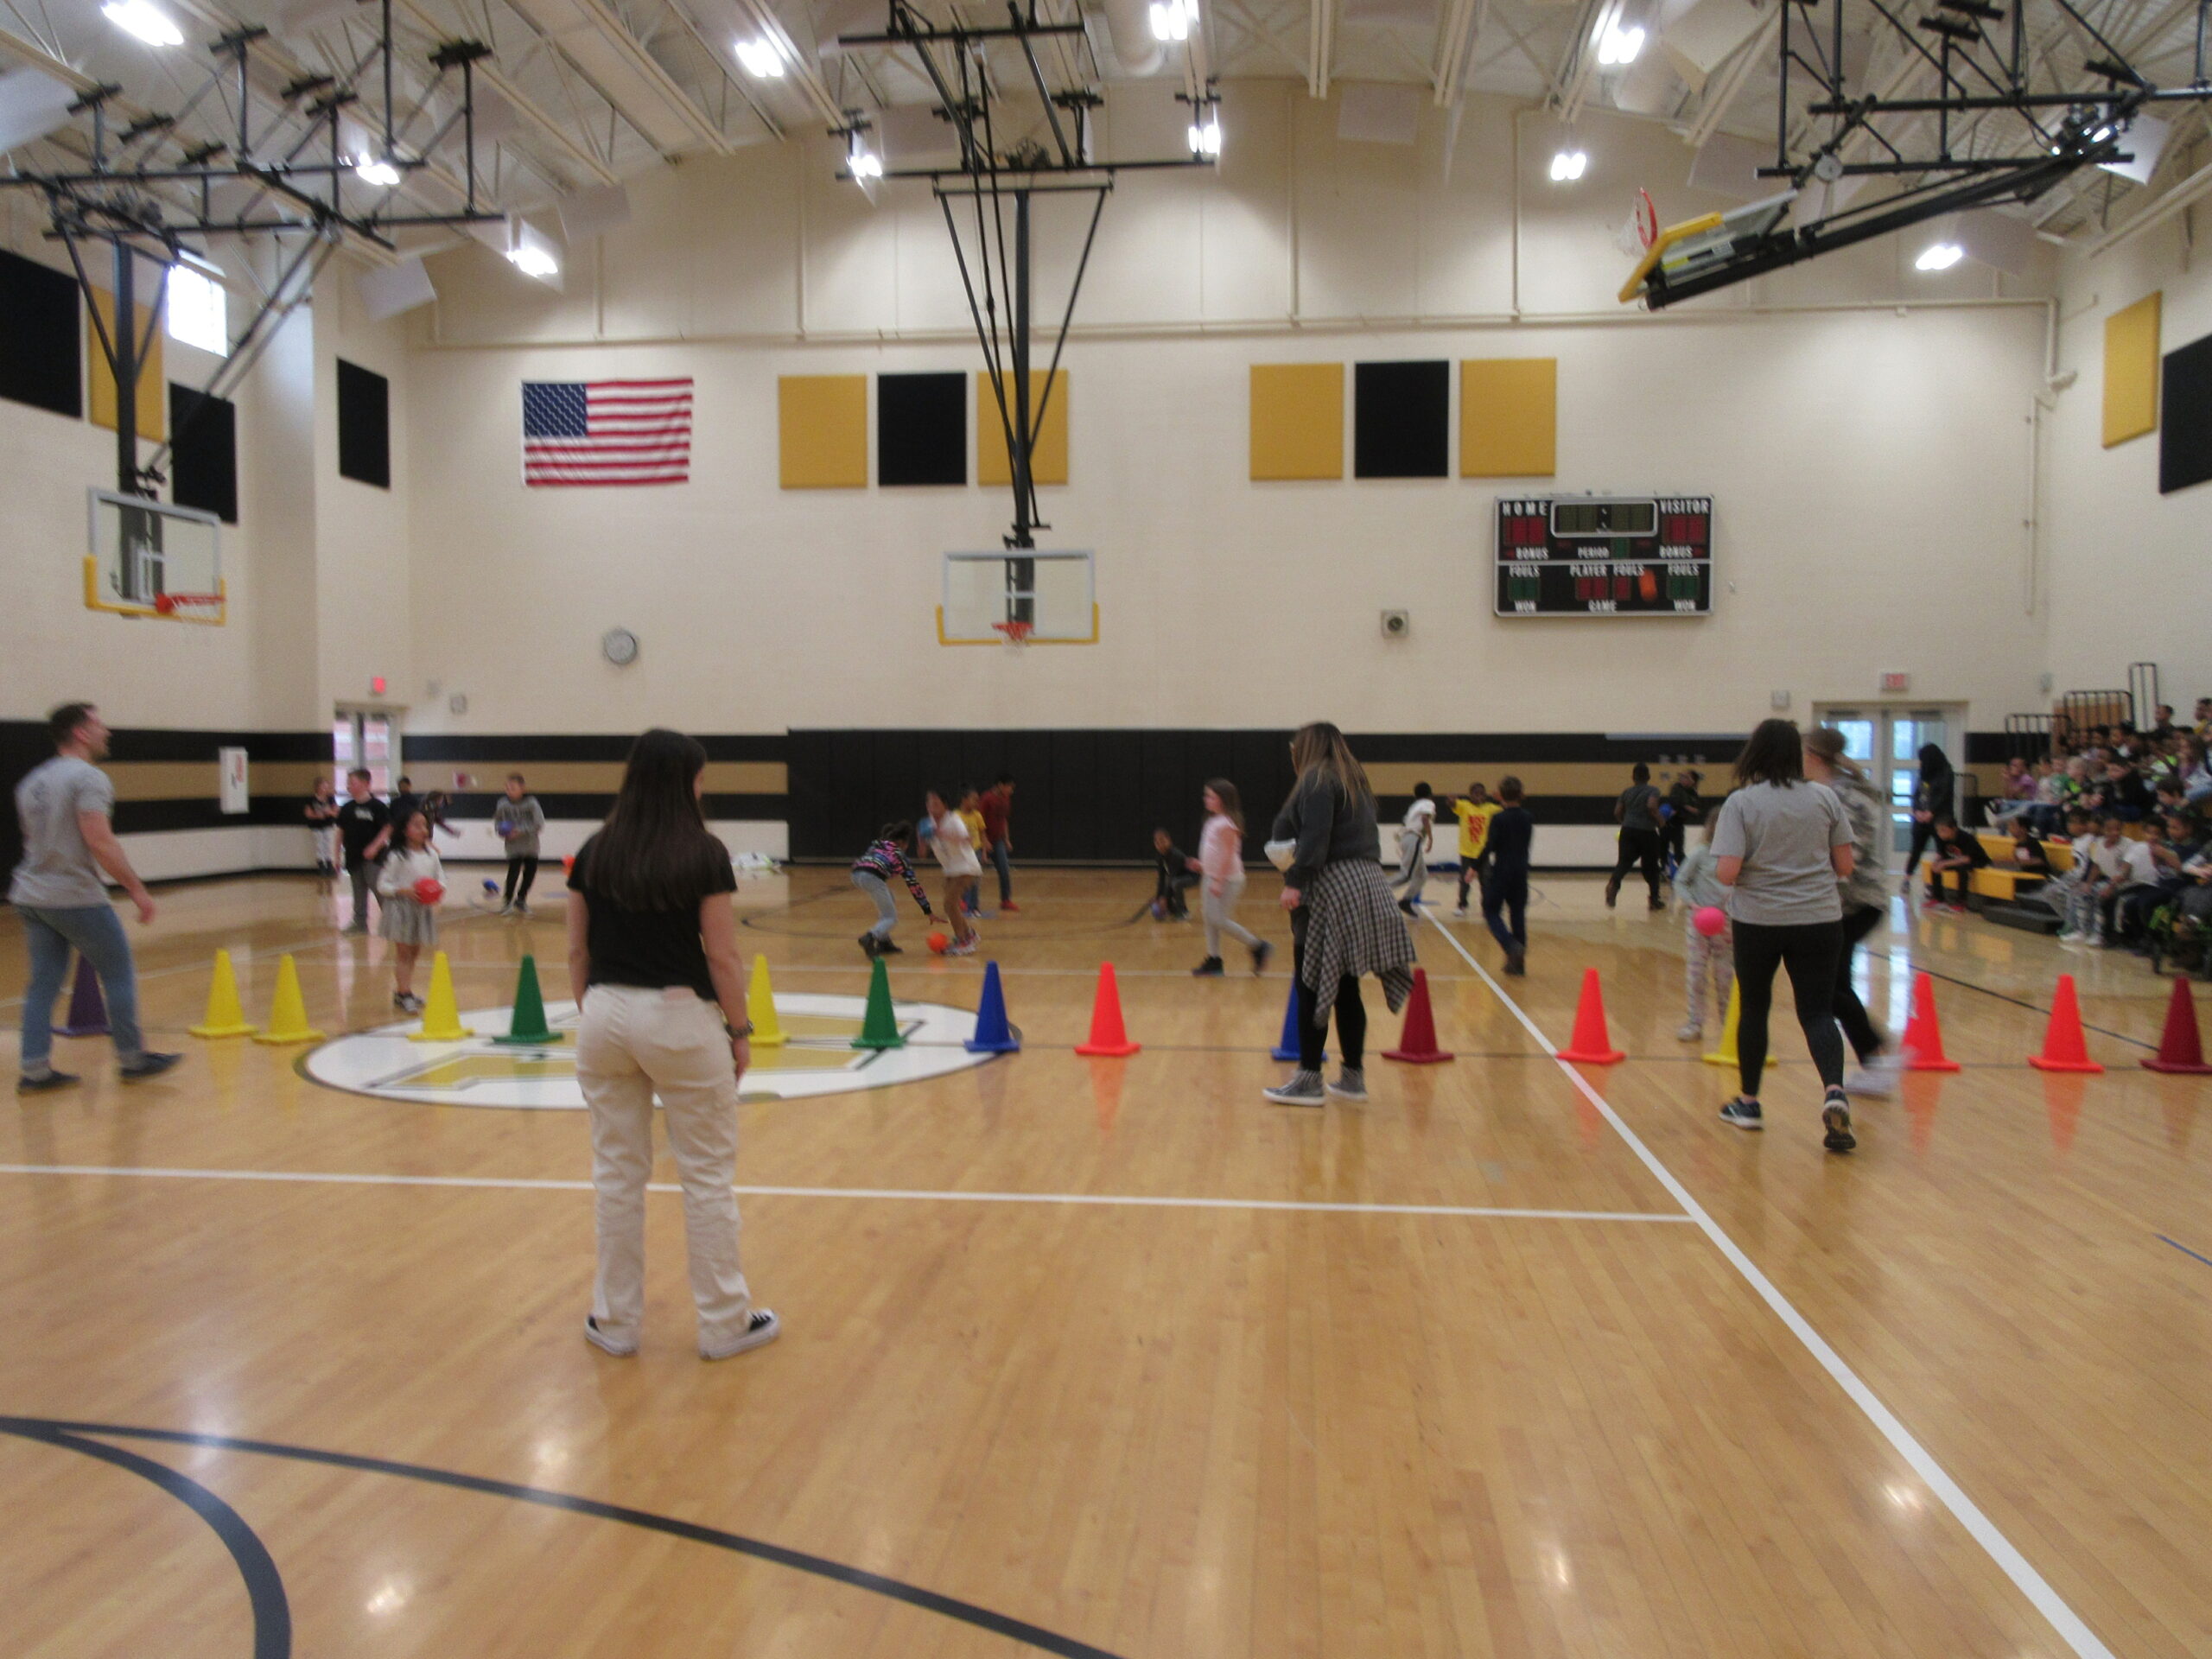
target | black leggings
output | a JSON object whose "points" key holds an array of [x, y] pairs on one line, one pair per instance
{"points": [[1922, 835], [1640, 847], [1964, 873], [1850, 1012], [521, 872], [1810, 953], [1351, 1013]]}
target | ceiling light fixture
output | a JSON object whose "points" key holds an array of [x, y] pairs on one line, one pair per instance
{"points": [[861, 161], [1205, 134], [1171, 19], [763, 59], [1569, 165], [533, 260], [377, 170], [1939, 255], [147, 22], [1617, 46]]}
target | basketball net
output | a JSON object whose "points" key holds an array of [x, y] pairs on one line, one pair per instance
{"points": [[1640, 229], [194, 608], [1015, 633]]}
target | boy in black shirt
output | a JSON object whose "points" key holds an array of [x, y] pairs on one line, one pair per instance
{"points": [[362, 821], [1512, 833], [1177, 877], [1955, 852]]}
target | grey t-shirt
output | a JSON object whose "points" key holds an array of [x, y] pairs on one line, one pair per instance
{"points": [[1784, 833], [524, 819], [1639, 807], [58, 872]]}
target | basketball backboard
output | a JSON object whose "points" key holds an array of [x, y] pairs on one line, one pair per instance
{"points": [[147, 558], [1050, 592]]}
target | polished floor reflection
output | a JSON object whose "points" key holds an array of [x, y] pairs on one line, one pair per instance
{"points": [[1111, 1356]]}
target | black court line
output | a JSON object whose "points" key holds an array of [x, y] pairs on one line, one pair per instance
{"points": [[265, 1585], [2184, 1249], [67, 1433], [2022, 1002]]}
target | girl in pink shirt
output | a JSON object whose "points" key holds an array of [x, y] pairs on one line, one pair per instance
{"points": [[1221, 862]]}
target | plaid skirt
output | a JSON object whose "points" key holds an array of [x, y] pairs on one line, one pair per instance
{"points": [[407, 920], [1354, 927]]}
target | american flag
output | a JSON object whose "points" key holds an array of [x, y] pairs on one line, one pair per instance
{"points": [[594, 432]]}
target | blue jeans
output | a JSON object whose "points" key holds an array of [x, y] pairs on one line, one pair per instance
{"points": [[97, 932], [1002, 862]]}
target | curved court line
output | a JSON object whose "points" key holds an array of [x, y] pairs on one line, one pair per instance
{"points": [[2072, 1629], [265, 1585], [66, 1433]]}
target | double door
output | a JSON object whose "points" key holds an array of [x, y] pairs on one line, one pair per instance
{"points": [[366, 737], [1887, 741]]}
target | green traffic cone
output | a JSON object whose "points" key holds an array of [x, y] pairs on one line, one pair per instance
{"points": [[879, 1028], [528, 1026]]}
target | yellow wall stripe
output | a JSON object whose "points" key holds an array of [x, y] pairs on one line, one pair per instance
{"points": [[2131, 371], [822, 427], [1298, 420], [1509, 417]]}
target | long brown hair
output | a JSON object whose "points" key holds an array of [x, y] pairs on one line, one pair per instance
{"points": [[1321, 744], [1232, 806], [1827, 742], [655, 851], [1774, 754]]}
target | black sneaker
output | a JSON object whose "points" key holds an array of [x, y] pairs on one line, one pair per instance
{"points": [[868, 946], [51, 1081], [1260, 952], [1743, 1114], [762, 1327], [888, 948], [1210, 969], [1835, 1118], [147, 1065], [1612, 890], [1406, 905], [1517, 962]]}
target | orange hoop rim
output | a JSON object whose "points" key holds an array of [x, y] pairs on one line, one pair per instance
{"points": [[1017, 633], [164, 603]]}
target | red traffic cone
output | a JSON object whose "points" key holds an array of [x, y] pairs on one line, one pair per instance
{"points": [[1592, 1046], [1417, 1042], [1107, 1036], [2181, 1051], [2064, 1049], [1924, 1032]]}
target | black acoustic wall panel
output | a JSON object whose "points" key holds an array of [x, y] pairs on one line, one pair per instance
{"points": [[204, 462], [40, 338], [2185, 435], [364, 425], [921, 429], [1402, 420]]}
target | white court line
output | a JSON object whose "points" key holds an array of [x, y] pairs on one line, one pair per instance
{"points": [[1122, 1199], [2031, 1584]]}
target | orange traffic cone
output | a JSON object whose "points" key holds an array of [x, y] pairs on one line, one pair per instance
{"points": [[2063, 1048], [1417, 1042], [2181, 1050], [1592, 1046], [1107, 1036], [1924, 1032]]}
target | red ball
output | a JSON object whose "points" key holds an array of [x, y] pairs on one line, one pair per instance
{"points": [[428, 891], [1710, 920], [938, 942]]}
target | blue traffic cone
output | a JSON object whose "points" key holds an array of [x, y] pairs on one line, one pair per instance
{"points": [[1286, 1048], [87, 1014], [993, 1034]]}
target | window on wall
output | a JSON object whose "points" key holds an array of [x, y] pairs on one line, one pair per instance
{"points": [[198, 312], [364, 425]]}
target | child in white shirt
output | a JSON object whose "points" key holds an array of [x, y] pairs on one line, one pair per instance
{"points": [[955, 855], [406, 918], [1220, 863], [2109, 865], [1414, 836]]}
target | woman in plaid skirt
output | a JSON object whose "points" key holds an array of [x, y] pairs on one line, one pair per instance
{"points": [[1342, 922]]}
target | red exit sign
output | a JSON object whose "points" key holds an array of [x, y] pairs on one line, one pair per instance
{"points": [[1896, 683]]}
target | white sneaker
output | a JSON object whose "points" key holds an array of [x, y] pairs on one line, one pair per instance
{"points": [[1877, 1079], [600, 1339], [2067, 936], [1689, 1033], [1460, 914], [1304, 1088], [760, 1330]]}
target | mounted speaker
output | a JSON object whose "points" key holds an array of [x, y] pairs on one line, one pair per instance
{"points": [[1396, 625]]}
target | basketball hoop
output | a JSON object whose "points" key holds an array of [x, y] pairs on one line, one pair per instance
{"points": [[189, 607], [1016, 633], [1640, 229]]}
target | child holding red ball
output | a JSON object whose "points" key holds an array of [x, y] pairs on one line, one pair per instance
{"points": [[1707, 956], [410, 886]]}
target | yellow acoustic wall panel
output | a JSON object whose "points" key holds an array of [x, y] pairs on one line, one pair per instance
{"points": [[1048, 453], [822, 431], [1298, 420], [2131, 371], [1509, 417], [153, 392]]}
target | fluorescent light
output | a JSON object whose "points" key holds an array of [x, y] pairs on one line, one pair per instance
{"points": [[376, 170], [864, 163], [1204, 135], [761, 59], [533, 260], [1618, 46], [1569, 165], [1171, 19], [1939, 255], [147, 22]]}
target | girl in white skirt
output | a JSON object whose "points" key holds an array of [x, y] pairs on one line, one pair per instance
{"points": [[409, 920]]}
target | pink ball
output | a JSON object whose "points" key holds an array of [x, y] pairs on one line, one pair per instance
{"points": [[1710, 920]]}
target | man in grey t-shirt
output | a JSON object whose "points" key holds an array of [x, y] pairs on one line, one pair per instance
{"points": [[64, 806]]}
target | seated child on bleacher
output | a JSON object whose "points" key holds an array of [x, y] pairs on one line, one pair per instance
{"points": [[2110, 864], [2028, 856], [2172, 849], [1956, 854]]}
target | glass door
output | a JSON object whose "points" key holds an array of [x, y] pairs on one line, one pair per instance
{"points": [[1887, 743], [365, 737]]}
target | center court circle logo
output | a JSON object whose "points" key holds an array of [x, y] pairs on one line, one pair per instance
{"points": [[818, 1058]]}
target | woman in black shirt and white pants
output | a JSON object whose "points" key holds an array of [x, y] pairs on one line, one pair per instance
{"points": [[652, 951]]}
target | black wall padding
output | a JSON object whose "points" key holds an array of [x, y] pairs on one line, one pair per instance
{"points": [[2185, 429], [41, 338], [204, 462], [1402, 419], [364, 425], [921, 429]]}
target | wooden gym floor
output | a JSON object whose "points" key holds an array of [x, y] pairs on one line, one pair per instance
{"points": [[1113, 1356]]}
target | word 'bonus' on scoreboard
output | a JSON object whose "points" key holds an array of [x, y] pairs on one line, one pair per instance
{"points": [[1605, 555]]}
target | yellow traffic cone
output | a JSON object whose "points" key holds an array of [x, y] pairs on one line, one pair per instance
{"points": [[225, 1017], [287, 1015], [1726, 1053], [761, 1007], [441, 1014]]}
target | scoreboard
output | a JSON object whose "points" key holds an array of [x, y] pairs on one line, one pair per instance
{"points": [[1605, 555]]}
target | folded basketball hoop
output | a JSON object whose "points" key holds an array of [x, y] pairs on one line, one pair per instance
{"points": [[190, 607], [1016, 633]]}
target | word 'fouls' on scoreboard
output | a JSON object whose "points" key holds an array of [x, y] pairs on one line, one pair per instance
{"points": [[1605, 555]]}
